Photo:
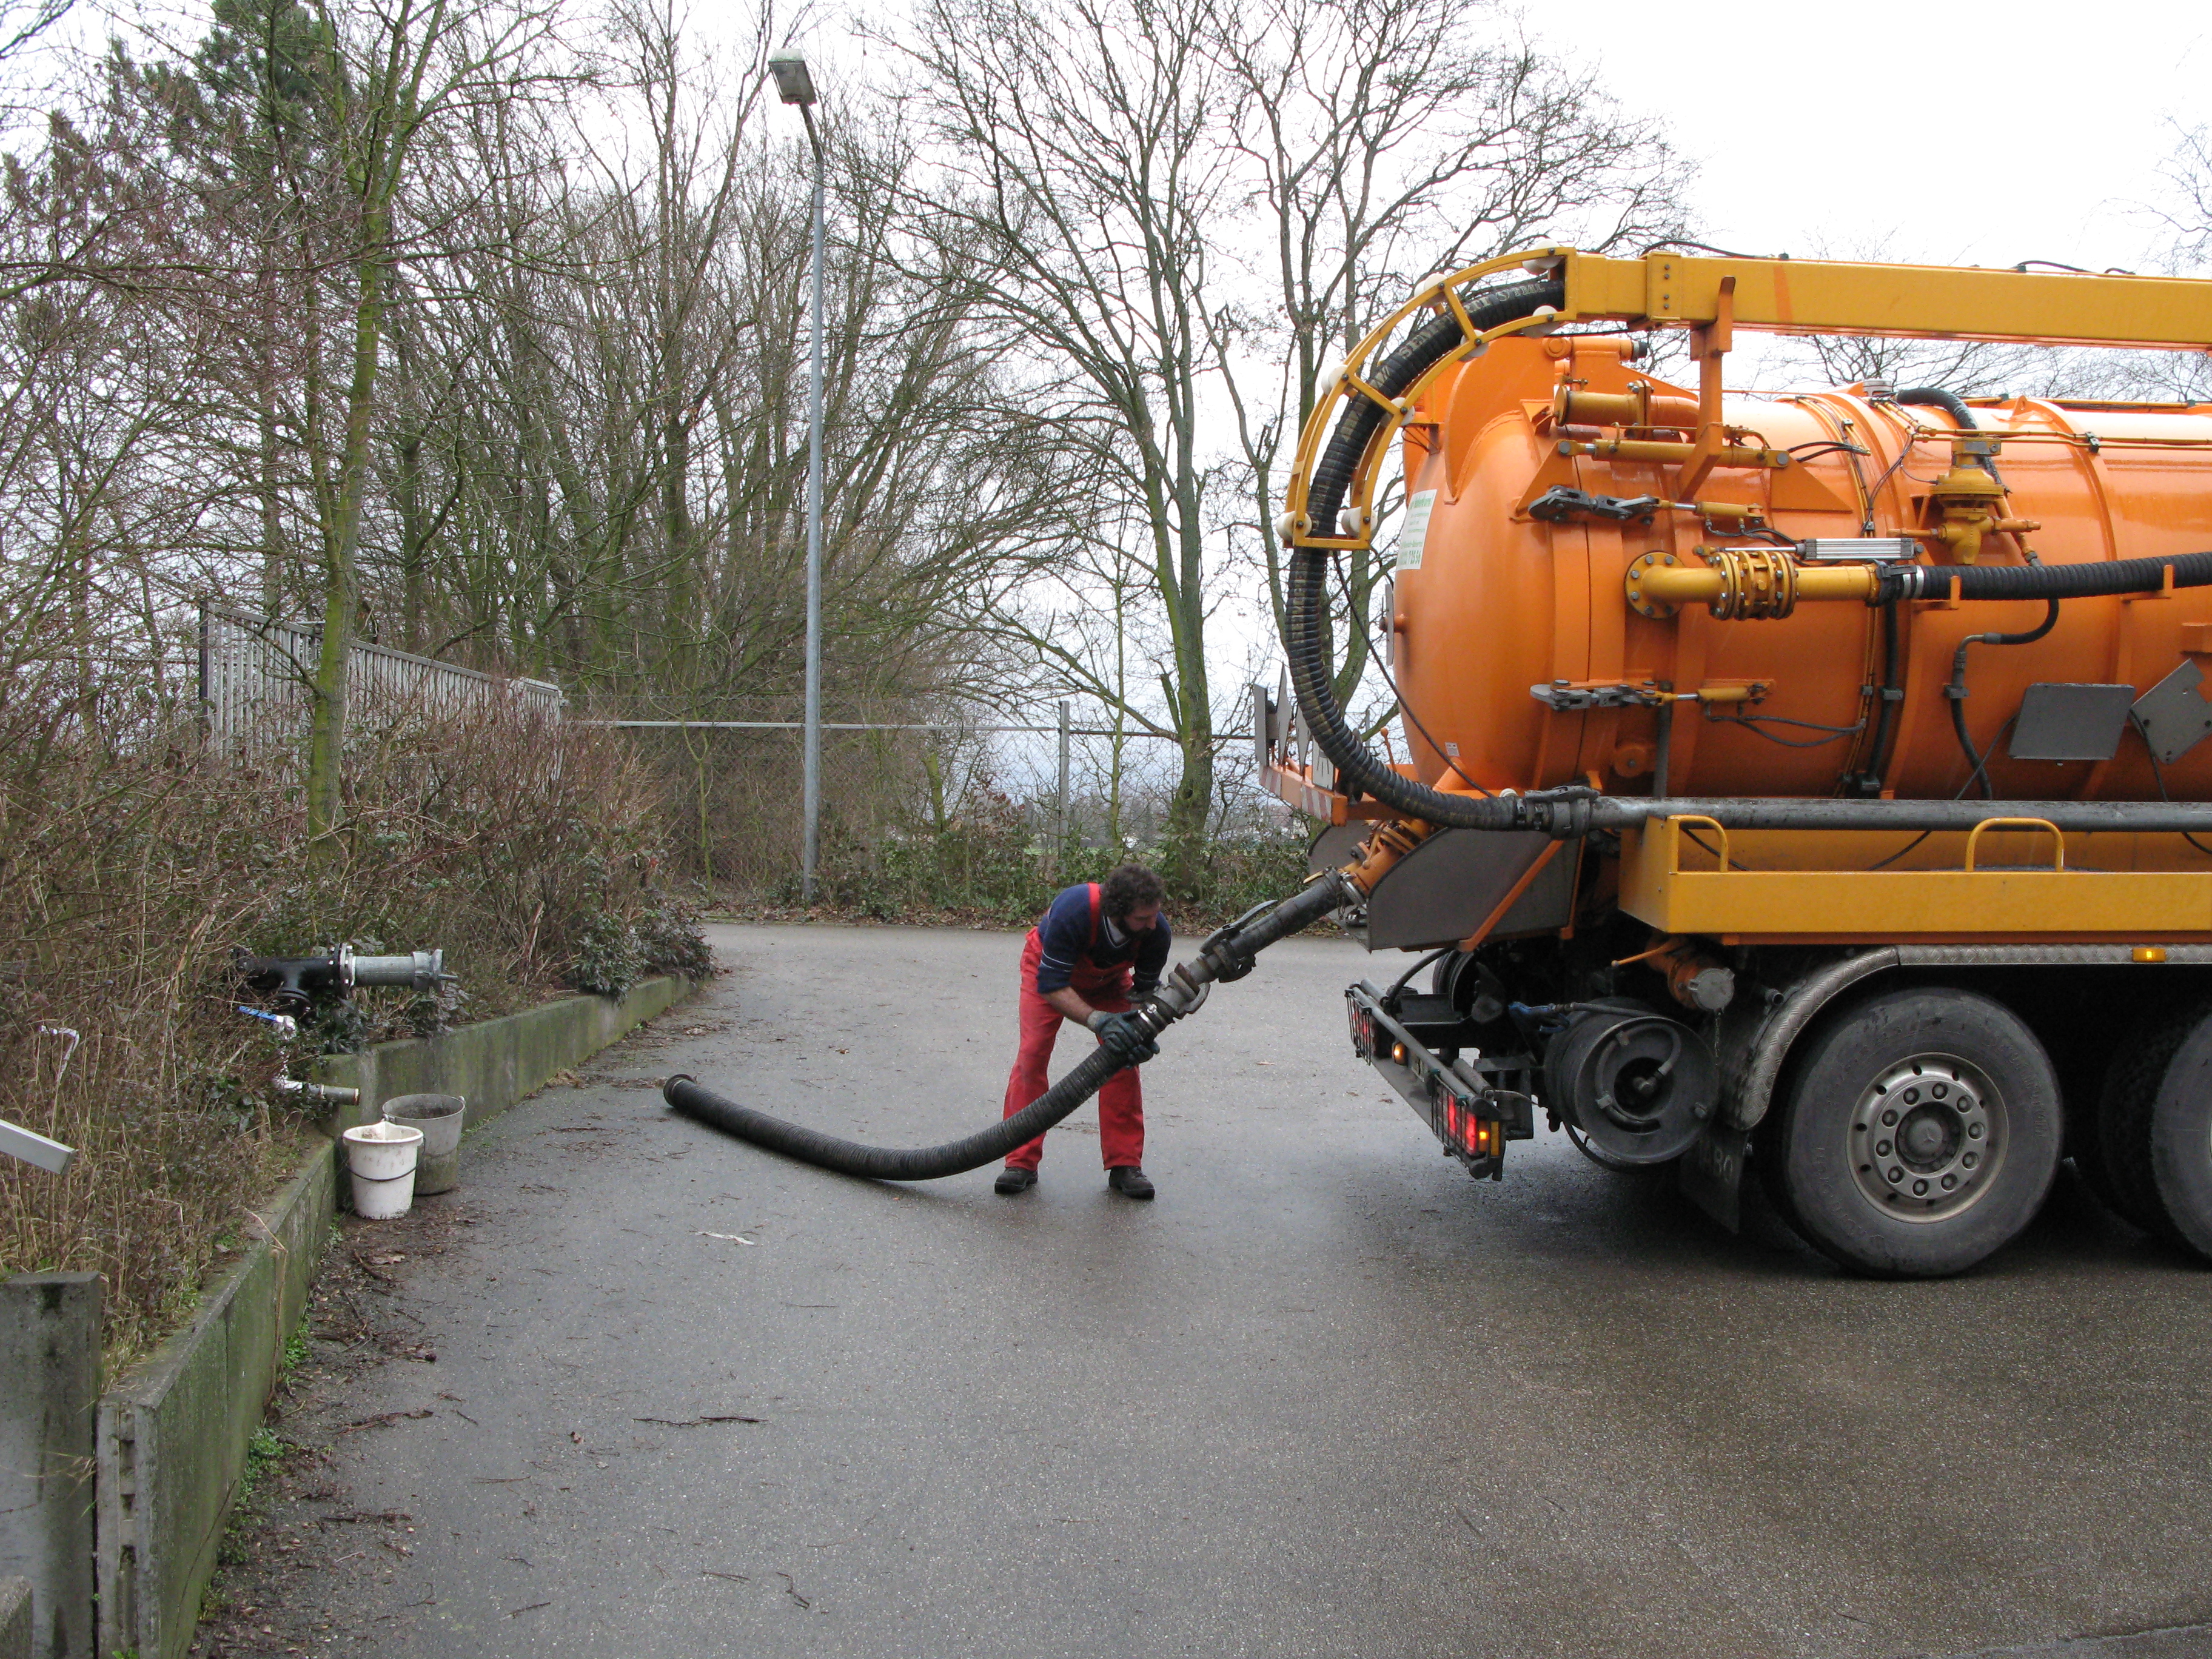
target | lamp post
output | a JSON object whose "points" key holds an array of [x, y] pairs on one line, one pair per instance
{"points": [[795, 86]]}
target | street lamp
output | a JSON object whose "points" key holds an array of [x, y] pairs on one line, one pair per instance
{"points": [[795, 86]]}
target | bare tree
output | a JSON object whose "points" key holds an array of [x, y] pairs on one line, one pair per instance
{"points": [[1387, 141], [1175, 210], [1082, 192]]}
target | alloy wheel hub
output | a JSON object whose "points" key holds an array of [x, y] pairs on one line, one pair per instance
{"points": [[1926, 1136]]}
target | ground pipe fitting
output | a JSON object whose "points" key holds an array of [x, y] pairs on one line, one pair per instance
{"points": [[296, 980]]}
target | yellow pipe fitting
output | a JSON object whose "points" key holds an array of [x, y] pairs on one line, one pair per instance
{"points": [[1742, 583], [1668, 453], [1382, 850], [1639, 406]]}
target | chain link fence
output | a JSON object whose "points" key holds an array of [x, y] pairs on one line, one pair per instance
{"points": [[976, 812], [978, 809]]}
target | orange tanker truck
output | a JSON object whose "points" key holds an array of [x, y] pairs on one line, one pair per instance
{"points": [[1807, 788]]}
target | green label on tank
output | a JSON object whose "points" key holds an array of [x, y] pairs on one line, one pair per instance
{"points": [[1415, 529]]}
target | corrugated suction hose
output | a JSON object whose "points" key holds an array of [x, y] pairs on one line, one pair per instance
{"points": [[1307, 641], [1226, 955]]}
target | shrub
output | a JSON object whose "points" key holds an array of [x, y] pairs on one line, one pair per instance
{"points": [[133, 861]]}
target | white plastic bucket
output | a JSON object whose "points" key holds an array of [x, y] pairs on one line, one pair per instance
{"points": [[440, 1118], [382, 1157]]}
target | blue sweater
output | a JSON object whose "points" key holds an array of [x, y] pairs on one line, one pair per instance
{"points": [[1065, 933]]}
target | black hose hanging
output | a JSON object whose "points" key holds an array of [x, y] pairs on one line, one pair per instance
{"points": [[1308, 640], [1956, 691], [1935, 397], [1888, 696]]}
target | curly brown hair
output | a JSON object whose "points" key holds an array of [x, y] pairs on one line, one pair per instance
{"points": [[1129, 888]]}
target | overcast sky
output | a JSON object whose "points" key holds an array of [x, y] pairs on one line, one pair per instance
{"points": [[1969, 134]]}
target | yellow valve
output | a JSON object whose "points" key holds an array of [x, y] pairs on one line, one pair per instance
{"points": [[1970, 500]]}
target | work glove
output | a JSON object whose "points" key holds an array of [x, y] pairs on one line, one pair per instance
{"points": [[1123, 1037]]}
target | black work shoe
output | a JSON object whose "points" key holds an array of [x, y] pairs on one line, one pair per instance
{"points": [[1012, 1181], [1130, 1180]]}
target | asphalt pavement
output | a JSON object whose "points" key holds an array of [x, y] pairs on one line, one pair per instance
{"points": [[1326, 1395]]}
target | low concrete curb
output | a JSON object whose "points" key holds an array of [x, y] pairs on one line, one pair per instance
{"points": [[173, 1434], [50, 1326], [498, 1061], [14, 1619]]}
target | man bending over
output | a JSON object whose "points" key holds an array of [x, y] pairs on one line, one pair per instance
{"points": [[1098, 945]]}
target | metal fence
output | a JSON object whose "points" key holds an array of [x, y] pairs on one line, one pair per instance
{"points": [[255, 675], [977, 775]]}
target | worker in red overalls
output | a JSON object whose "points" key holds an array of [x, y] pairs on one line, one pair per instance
{"points": [[1098, 945]]}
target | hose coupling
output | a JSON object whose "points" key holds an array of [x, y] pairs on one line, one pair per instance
{"points": [[1224, 956], [1387, 844], [1179, 994], [1565, 813]]}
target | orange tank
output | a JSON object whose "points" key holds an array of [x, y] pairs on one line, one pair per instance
{"points": [[1490, 602]]}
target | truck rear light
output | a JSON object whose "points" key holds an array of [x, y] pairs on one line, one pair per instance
{"points": [[1362, 1031], [1465, 1131]]}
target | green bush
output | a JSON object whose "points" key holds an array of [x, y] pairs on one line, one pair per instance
{"points": [[987, 863]]}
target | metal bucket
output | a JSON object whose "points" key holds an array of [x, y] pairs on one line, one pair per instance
{"points": [[440, 1117]]}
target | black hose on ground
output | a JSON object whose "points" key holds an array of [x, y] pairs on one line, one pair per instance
{"points": [[851, 1157], [1226, 955]]}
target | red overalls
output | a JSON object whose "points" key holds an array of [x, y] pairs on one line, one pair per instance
{"points": [[1121, 1101]]}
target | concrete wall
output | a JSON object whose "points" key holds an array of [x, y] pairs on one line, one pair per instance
{"points": [[499, 1061], [173, 1434], [14, 1619], [50, 1326]]}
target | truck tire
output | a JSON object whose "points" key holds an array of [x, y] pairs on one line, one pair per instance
{"points": [[2154, 1128], [2116, 1158], [1920, 1133]]}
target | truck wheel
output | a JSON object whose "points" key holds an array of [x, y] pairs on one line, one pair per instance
{"points": [[2116, 1159], [2155, 1128], [1921, 1133]]}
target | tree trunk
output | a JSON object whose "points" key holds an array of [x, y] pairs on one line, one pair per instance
{"points": [[326, 742]]}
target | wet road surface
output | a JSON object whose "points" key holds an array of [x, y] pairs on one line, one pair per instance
{"points": [[1326, 1396]]}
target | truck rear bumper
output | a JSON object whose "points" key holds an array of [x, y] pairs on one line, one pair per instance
{"points": [[1472, 1117]]}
